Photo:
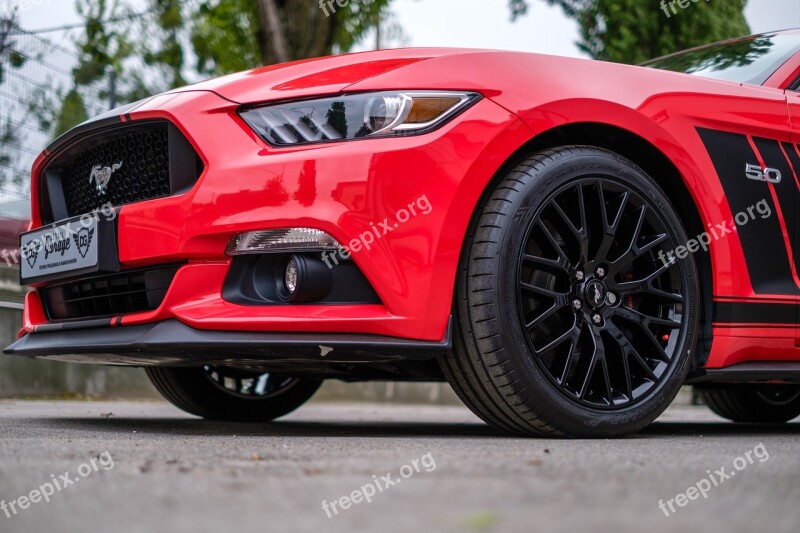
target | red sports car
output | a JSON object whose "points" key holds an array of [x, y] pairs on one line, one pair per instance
{"points": [[567, 242]]}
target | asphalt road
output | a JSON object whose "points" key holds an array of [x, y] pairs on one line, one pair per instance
{"points": [[164, 471]]}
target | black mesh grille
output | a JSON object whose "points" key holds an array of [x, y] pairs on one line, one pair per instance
{"points": [[139, 159], [108, 295]]}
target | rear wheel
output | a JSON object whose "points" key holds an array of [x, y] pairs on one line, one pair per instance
{"points": [[571, 318], [225, 393], [766, 404]]}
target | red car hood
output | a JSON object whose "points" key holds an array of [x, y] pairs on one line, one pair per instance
{"points": [[325, 75]]}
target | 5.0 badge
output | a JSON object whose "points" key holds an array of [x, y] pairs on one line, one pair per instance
{"points": [[756, 173]]}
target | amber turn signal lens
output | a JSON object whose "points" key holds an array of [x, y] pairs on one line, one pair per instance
{"points": [[425, 110]]}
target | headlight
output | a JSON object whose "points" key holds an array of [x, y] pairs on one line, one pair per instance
{"points": [[355, 116]]}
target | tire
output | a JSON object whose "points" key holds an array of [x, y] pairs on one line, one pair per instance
{"points": [[764, 404], [527, 356], [245, 396]]}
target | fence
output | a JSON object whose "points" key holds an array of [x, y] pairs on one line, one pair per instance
{"points": [[35, 75]]}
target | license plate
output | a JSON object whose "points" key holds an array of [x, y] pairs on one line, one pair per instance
{"points": [[74, 247]]}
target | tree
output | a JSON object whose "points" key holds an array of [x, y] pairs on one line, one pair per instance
{"points": [[10, 58], [73, 112], [231, 35], [225, 36], [169, 52], [633, 31], [103, 47]]}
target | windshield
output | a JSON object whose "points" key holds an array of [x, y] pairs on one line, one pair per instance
{"points": [[752, 60]]}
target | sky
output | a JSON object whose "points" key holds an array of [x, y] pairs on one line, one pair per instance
{"points": [[462, 23], [544, 29]]}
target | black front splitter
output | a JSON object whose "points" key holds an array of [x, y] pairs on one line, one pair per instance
{"points": [[172, 343]]}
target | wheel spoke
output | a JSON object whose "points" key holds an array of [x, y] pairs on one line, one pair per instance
{"points": [[614, 226], [559, 339], [559, 263], [626, 368], [578, 233], [570, 358], [664, 294], [584, 242], [645, 320], [633, 251], [629, 350], [562, 257], [643, 284], [560, 298], [597, 353], [607, 381], [543, 316]]}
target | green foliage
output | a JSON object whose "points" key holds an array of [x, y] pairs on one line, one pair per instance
{"points": [[633, 31], [9, 132], [225, 36], [103, 47], [8, 54], [233, 35], [358, 20], [168, 52], [73, 112]]}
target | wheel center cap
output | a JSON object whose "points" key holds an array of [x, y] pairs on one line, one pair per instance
{"points": [[595, 293]]}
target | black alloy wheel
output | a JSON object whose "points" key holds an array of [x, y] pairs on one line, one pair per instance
{"points": [[229, 393], [753, 403], [602, 312], [573, 316]]}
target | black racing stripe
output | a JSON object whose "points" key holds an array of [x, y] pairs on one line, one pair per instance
{"points": [[793, 157], [109, 118], [761, 238], [754, 313], [786, 191]]}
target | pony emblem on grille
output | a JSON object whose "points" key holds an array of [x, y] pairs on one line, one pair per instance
{"points": [[102, 175]]}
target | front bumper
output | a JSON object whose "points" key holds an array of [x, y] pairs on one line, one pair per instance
{"points": [[172, 343], [345, 189]]}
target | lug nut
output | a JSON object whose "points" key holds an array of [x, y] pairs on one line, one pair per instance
{"points": [[579, 275], [611, 298], [601, 272], [576, 304], [597, 319]]}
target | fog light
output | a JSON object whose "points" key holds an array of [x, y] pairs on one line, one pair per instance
{"points": [[281, 240], [302, 279], [290, 276]]}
